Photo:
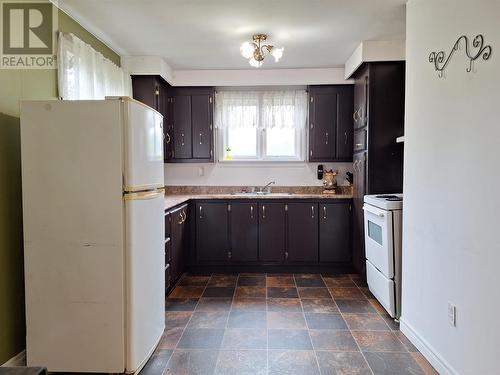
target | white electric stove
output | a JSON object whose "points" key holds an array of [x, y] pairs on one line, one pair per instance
{"points": [[383, 215]]}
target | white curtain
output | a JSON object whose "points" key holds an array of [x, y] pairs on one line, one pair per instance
{"points": [[261, 109], [84, 73]]}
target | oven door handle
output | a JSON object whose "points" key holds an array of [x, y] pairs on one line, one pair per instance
{"points": [[373, 211]]}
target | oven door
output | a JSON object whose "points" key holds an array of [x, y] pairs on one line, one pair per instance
{"points": [[379, 245]]}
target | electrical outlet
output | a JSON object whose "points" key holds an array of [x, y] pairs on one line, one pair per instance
{"points": [[452, 314]]}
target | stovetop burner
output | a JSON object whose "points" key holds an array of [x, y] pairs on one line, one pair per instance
{"points": [[391, 198]]}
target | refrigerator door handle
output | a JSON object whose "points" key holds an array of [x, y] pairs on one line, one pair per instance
{"points": [[152, 194]]}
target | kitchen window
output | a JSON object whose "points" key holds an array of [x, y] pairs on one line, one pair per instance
{"points": [[261, 126]]}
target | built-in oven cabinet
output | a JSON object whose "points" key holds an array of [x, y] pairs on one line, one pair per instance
{"points": [[379, 243]]}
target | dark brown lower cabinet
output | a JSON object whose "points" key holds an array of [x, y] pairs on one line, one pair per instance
{"points": [[212, 232], [358, 232], [271, 232], [178, 239], [244, 232], [302, 233], [335, 232]]}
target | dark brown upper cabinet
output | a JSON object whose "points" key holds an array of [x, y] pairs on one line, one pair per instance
{"points": [[154, 91], [212, 232], [330, 123], [192, 124], [302, 232], [244, 219]]}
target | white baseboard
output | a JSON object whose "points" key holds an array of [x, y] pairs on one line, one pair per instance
{"points": [[435, 359], [17, 360]]}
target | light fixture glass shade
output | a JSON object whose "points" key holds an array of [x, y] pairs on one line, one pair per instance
{"points": [[255, 63], [277, 53], [247, 49]]}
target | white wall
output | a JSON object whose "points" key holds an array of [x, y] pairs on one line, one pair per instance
{"points": [[451, 239], [220, 174]]}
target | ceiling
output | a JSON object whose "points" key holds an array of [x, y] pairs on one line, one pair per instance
{"points": [[206, 34]]}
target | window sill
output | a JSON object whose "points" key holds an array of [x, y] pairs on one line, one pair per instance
{"points": [[262, 163]]}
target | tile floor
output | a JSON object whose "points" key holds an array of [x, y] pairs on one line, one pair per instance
{"points": [[280, 324]]}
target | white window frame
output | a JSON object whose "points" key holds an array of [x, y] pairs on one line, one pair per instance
{"points": [[261, 157]]}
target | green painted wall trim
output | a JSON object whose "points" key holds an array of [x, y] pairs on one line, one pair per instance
{"points": [[17, 85]]}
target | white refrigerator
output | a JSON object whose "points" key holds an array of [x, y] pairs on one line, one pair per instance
{"points": [[93, 213]]}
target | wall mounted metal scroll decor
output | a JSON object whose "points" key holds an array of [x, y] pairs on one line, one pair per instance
{"points": [[440, 60]]}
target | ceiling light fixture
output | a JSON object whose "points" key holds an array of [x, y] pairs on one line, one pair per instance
{"points": [[254, 51]]}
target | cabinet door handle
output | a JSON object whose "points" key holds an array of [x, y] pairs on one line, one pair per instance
{"points": [[182, 139], [263, 212], [168, 139], [324, 212], [201, 135], [201, 210], [180, 220], [354, 117], [326, 140], [312, 212], [229, 255], [286, 254], [251, 212], [345, 138]]}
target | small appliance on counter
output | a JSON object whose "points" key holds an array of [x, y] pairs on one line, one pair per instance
{"points": [[383, 215], [329, 182]]}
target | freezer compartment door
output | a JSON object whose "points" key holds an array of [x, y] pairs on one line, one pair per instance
{"points": [[379, 243], [382, 288], [143, 131], [145, 277]]}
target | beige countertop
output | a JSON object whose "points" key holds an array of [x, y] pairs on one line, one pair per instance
{"points": [[172, 200]]}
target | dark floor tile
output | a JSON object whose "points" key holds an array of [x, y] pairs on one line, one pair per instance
{"points": [[252, 281], [314, 292], [355, 306], [250, 292], [325, 339], [174, 319], [247, 319], [242, 362], [249, 304], [157, 363], [346, 293], [292, 362], [208, 319], [285, 320], [309, 280], [335, 282], [223, 280], [194, 280], [202, 338], [244, 338], [393, 325], [367, 293], [360, 283], [216, 291], [296, 339], [282, 292], [180, 304], [424, 364], [214, 304], [342, 363], [192, 362], [377, 306], [319, 305], [284, 304], [366, 322], [280, 281], [187, 292], [325, 321], [170, 338], [406, 342], [393, 364], [372, 341]]}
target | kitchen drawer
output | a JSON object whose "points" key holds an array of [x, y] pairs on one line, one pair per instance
{"points": [[360, 140]]}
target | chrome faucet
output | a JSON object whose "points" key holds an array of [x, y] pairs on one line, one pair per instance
{"points": [[262, 189]]}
